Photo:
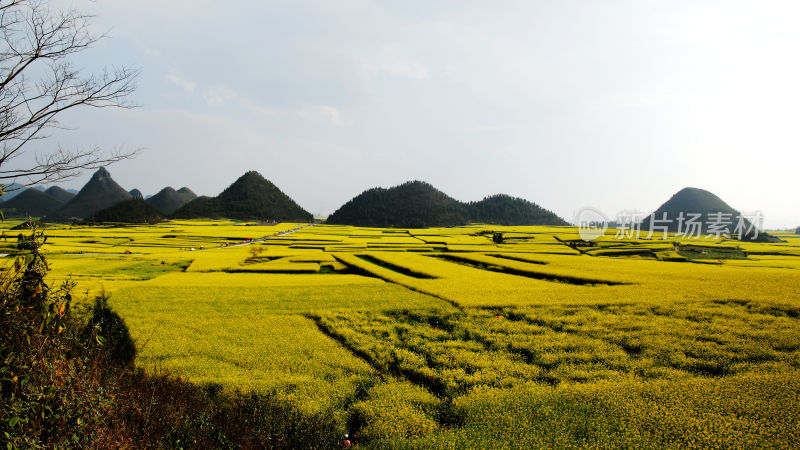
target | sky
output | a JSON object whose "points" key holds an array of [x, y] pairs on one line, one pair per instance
{"points": [[615, 105]]}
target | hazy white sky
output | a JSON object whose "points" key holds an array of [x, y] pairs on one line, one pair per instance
{"points": [[613, 104]]}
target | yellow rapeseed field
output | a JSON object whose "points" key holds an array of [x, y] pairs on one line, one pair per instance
{"points": [[444, 338]]}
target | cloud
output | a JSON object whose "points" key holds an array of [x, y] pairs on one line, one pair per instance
{"points": [[485, 128], [219, 95], [323, 113], [173, 76], [393, 62], [262, 110]]}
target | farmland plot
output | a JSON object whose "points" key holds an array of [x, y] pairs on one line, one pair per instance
{"points": [[445, 338]]}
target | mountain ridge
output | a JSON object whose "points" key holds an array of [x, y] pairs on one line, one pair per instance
{"points": [[250, 197], [168, 200], [100, 192], [31, 202], [418, 204]]}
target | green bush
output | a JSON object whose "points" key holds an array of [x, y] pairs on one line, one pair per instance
{"points": [[50, 394]]}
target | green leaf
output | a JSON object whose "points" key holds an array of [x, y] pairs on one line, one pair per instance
{"points": [[13, 421]]}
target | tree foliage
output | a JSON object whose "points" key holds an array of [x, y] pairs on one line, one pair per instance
{"points": [[46, 397]]}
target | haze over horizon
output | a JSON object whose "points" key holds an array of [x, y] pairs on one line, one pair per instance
{"points": [[568, 104]]}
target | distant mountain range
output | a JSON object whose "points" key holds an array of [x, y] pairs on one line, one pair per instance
{"points": [[414, 204], [14, 189], [34, 202], [101, 199], [417, 204]]}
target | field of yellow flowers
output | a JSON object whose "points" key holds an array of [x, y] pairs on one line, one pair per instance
{"points": [[447, 338]]}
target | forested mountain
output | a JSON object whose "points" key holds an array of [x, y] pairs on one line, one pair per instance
{"points": [[31, 202], [417, 204], [502, 209], [251, 197], [133, 210], [60, 194], [99, 193], [713, 212], [168, 200]]}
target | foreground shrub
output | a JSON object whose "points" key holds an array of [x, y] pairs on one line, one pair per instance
{"points": [[49, 392]]}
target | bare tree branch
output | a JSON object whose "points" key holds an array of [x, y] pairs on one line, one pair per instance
{"points": [[38, 40]]}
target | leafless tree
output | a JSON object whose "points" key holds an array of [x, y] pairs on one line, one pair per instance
{"points": [[38, 82]]}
